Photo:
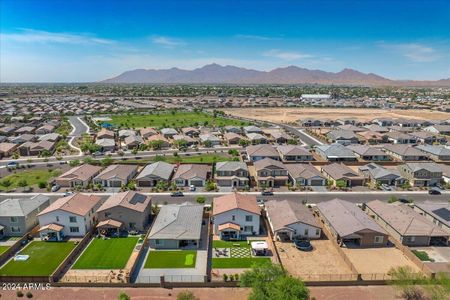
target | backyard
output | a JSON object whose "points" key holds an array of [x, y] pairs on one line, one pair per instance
{"points": [[172, 119], [107, 254], [27, 178], [177, 259], [239, 256], [44, 258], [192, 159]]}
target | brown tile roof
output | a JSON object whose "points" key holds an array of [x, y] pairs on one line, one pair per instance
{"points": [[83, 172], [235, 201], [229, 226], [79, 204], [130, 199], [286, 212], [117, 171], [52, 227], [188, 171], [109, 223]]}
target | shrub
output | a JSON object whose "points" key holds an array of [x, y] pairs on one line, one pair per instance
{"points": [[29, 295], [42, 184], [225, 277]]}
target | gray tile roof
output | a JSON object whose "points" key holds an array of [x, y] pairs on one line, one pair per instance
{"points": [[178, 222], [160, 169], [438, 210], [366, 150], [347, 218], [378, 171], [21, 207], [231, 166], [335, 150], [436, 150], [429, 166], [287, 212]]}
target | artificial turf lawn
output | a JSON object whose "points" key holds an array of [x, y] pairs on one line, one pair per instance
{"points": [[44, 258], [230, 244], [3, 249], [237, 263], [106, 254], [422, 255], [171, 259], [168, 119]]}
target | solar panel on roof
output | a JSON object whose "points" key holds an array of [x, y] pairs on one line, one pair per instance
{"points": [[443, 212]]}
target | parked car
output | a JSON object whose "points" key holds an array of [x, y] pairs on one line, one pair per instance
{"points": [[55, 188], [266, 193], [386, 187], [68, 194], [303, 245], [434, 191], [260, 201], [12, 165], [192, 188], [404, 199], [177, 194]]}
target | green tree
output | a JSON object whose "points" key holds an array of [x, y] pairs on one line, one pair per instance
{"points": [[187, 295], [200, 199], [123, 296], [269, 281], [156, 144], [106, 161]]}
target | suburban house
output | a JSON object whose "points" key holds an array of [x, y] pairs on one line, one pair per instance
{"points": [[397, 137], [210, 138], [44, 129], [147, 132], [335, 152], [437, 153], [344, 137], [78, 176], [406, 225], [123, 133], [422, 174], [257, 138], [305, 175], [133, 141], [236, 216], [426, 137], [116, 175], [436, 212], [73, 215], [232, 174], [234, 129], [372, 137], [405, 152], [159, 138], [129, 210], [36, 148], [233, 138], [293, 153], [280, 137], [105, 134], [192, 174], [177, 226], [258, 152], [190, 131], [252, 129], [365, 152], [271, 173], [7, 149], [106, 144], [438, 129], [19, 216], [187, 140], [290, 219], [51, 137], [153, 173], [376, 128], [168, 132], [348, 224], [378, 175], [338, 172]]}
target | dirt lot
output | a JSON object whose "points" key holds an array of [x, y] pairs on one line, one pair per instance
{"points": [[287, 115], [323, 260], [378, 260]]}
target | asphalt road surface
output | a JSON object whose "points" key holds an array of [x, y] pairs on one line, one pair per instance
{"points": [[79, 127]]}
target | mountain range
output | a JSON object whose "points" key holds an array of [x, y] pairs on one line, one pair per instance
{"points": [[217, 74]]}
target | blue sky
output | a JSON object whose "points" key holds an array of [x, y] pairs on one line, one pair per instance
{"points": [[66, 41]]}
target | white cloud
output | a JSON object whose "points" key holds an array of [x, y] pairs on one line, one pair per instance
{"points": [[167, 41], [39, 36], [414, 52], [286, 55]]}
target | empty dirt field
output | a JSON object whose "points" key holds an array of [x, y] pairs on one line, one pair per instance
{"points": [[287, 115], [323, 260], [378, 260]]}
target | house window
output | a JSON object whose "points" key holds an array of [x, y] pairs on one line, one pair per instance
{"points": [[379, 239], [74, 229], [248, 218], [14, 219], [57, 219], [306, 231], [248, 228], [317, 232], [132, 225], [233, 218], [157, 242], [107, 214], [15, 229], [72, 219]]}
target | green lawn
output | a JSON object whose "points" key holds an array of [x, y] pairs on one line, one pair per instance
{"points": [[27, 178], [168, 119], [45, 257], [237, 263], [158, 259], [107, 254], [422, 255], [3, 249]]}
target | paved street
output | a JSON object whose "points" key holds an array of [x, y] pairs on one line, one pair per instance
{"points": [[79, 126]]}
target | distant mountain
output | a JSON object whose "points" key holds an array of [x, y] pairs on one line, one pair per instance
{"points": [[215, 73]]}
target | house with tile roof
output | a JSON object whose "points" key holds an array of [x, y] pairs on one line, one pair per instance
{"points": [[192, 174], [78, 176], [236, 216]]}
